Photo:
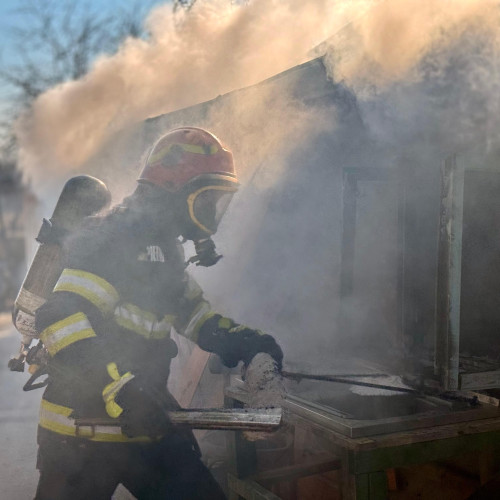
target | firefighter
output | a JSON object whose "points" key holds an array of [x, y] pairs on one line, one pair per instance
{"points": [[107, 325]]}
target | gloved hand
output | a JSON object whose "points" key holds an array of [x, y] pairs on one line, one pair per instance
{"points": [[263, 382], [265, 388], [143, 413], [235, 343], [255, 342]]}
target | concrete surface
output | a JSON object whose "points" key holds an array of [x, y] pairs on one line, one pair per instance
{"points": [[18, 423]]}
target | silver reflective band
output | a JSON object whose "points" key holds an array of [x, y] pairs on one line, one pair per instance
{"points": [[56, 418], [66, 332], [89, 286], [143, 322]]}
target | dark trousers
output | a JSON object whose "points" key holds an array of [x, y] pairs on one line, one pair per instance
{"points": [[78, 469]]}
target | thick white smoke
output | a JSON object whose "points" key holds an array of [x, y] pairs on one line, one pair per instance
{"points": [[220, 46], [215, 48], [420, 69], [427, 67]]}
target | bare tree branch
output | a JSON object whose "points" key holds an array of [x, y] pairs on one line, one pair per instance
{"points": [[57, 41]]}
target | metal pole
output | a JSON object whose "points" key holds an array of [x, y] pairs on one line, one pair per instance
{"points": [[449, 274]]}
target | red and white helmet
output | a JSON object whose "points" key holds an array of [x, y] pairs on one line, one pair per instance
{"points": [[193, 162]]}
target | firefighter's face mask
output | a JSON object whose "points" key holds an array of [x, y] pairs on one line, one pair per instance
{"points": [[207, 205], [205, 200]]}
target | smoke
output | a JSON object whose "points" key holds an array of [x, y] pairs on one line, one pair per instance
{"points": [[426, 85], [387, 44], [425, 77], [215, 48], [436, 69], [220, 46], [263, 127]]}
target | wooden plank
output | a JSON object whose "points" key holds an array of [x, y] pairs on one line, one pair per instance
{"points": [[348, 483], [298, 470], [470, 427], [480, 380], [248, 489], [247, 419], [361, 487], [417, 453], [399, 438], [378, 485], [191, 376]]}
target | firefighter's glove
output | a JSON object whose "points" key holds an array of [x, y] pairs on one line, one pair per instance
{"points": [[263, 381], [142, 415], [265, 388], [235, 343], [128, 398]]}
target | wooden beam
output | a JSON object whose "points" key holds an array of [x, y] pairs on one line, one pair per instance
{"points": [[295, 471], [247, 419], [417, 453], [191, 375], [248, 489]]}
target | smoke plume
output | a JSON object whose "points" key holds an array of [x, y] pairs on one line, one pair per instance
{"points": [[219, 46], [424, 75], [215, 48], [388, 42]]}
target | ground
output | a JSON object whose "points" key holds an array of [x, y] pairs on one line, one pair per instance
{"points": [[18, 422]]}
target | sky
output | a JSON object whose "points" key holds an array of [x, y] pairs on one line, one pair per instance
{"points": [[9, 16]]}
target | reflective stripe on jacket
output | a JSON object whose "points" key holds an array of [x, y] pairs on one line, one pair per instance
{"points": [[57, 418]]}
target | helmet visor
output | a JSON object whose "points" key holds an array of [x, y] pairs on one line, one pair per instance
{"points": [[208, 204]]}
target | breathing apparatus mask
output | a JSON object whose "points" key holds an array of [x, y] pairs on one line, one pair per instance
{"points": [[193, 166], [203, 202]]}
